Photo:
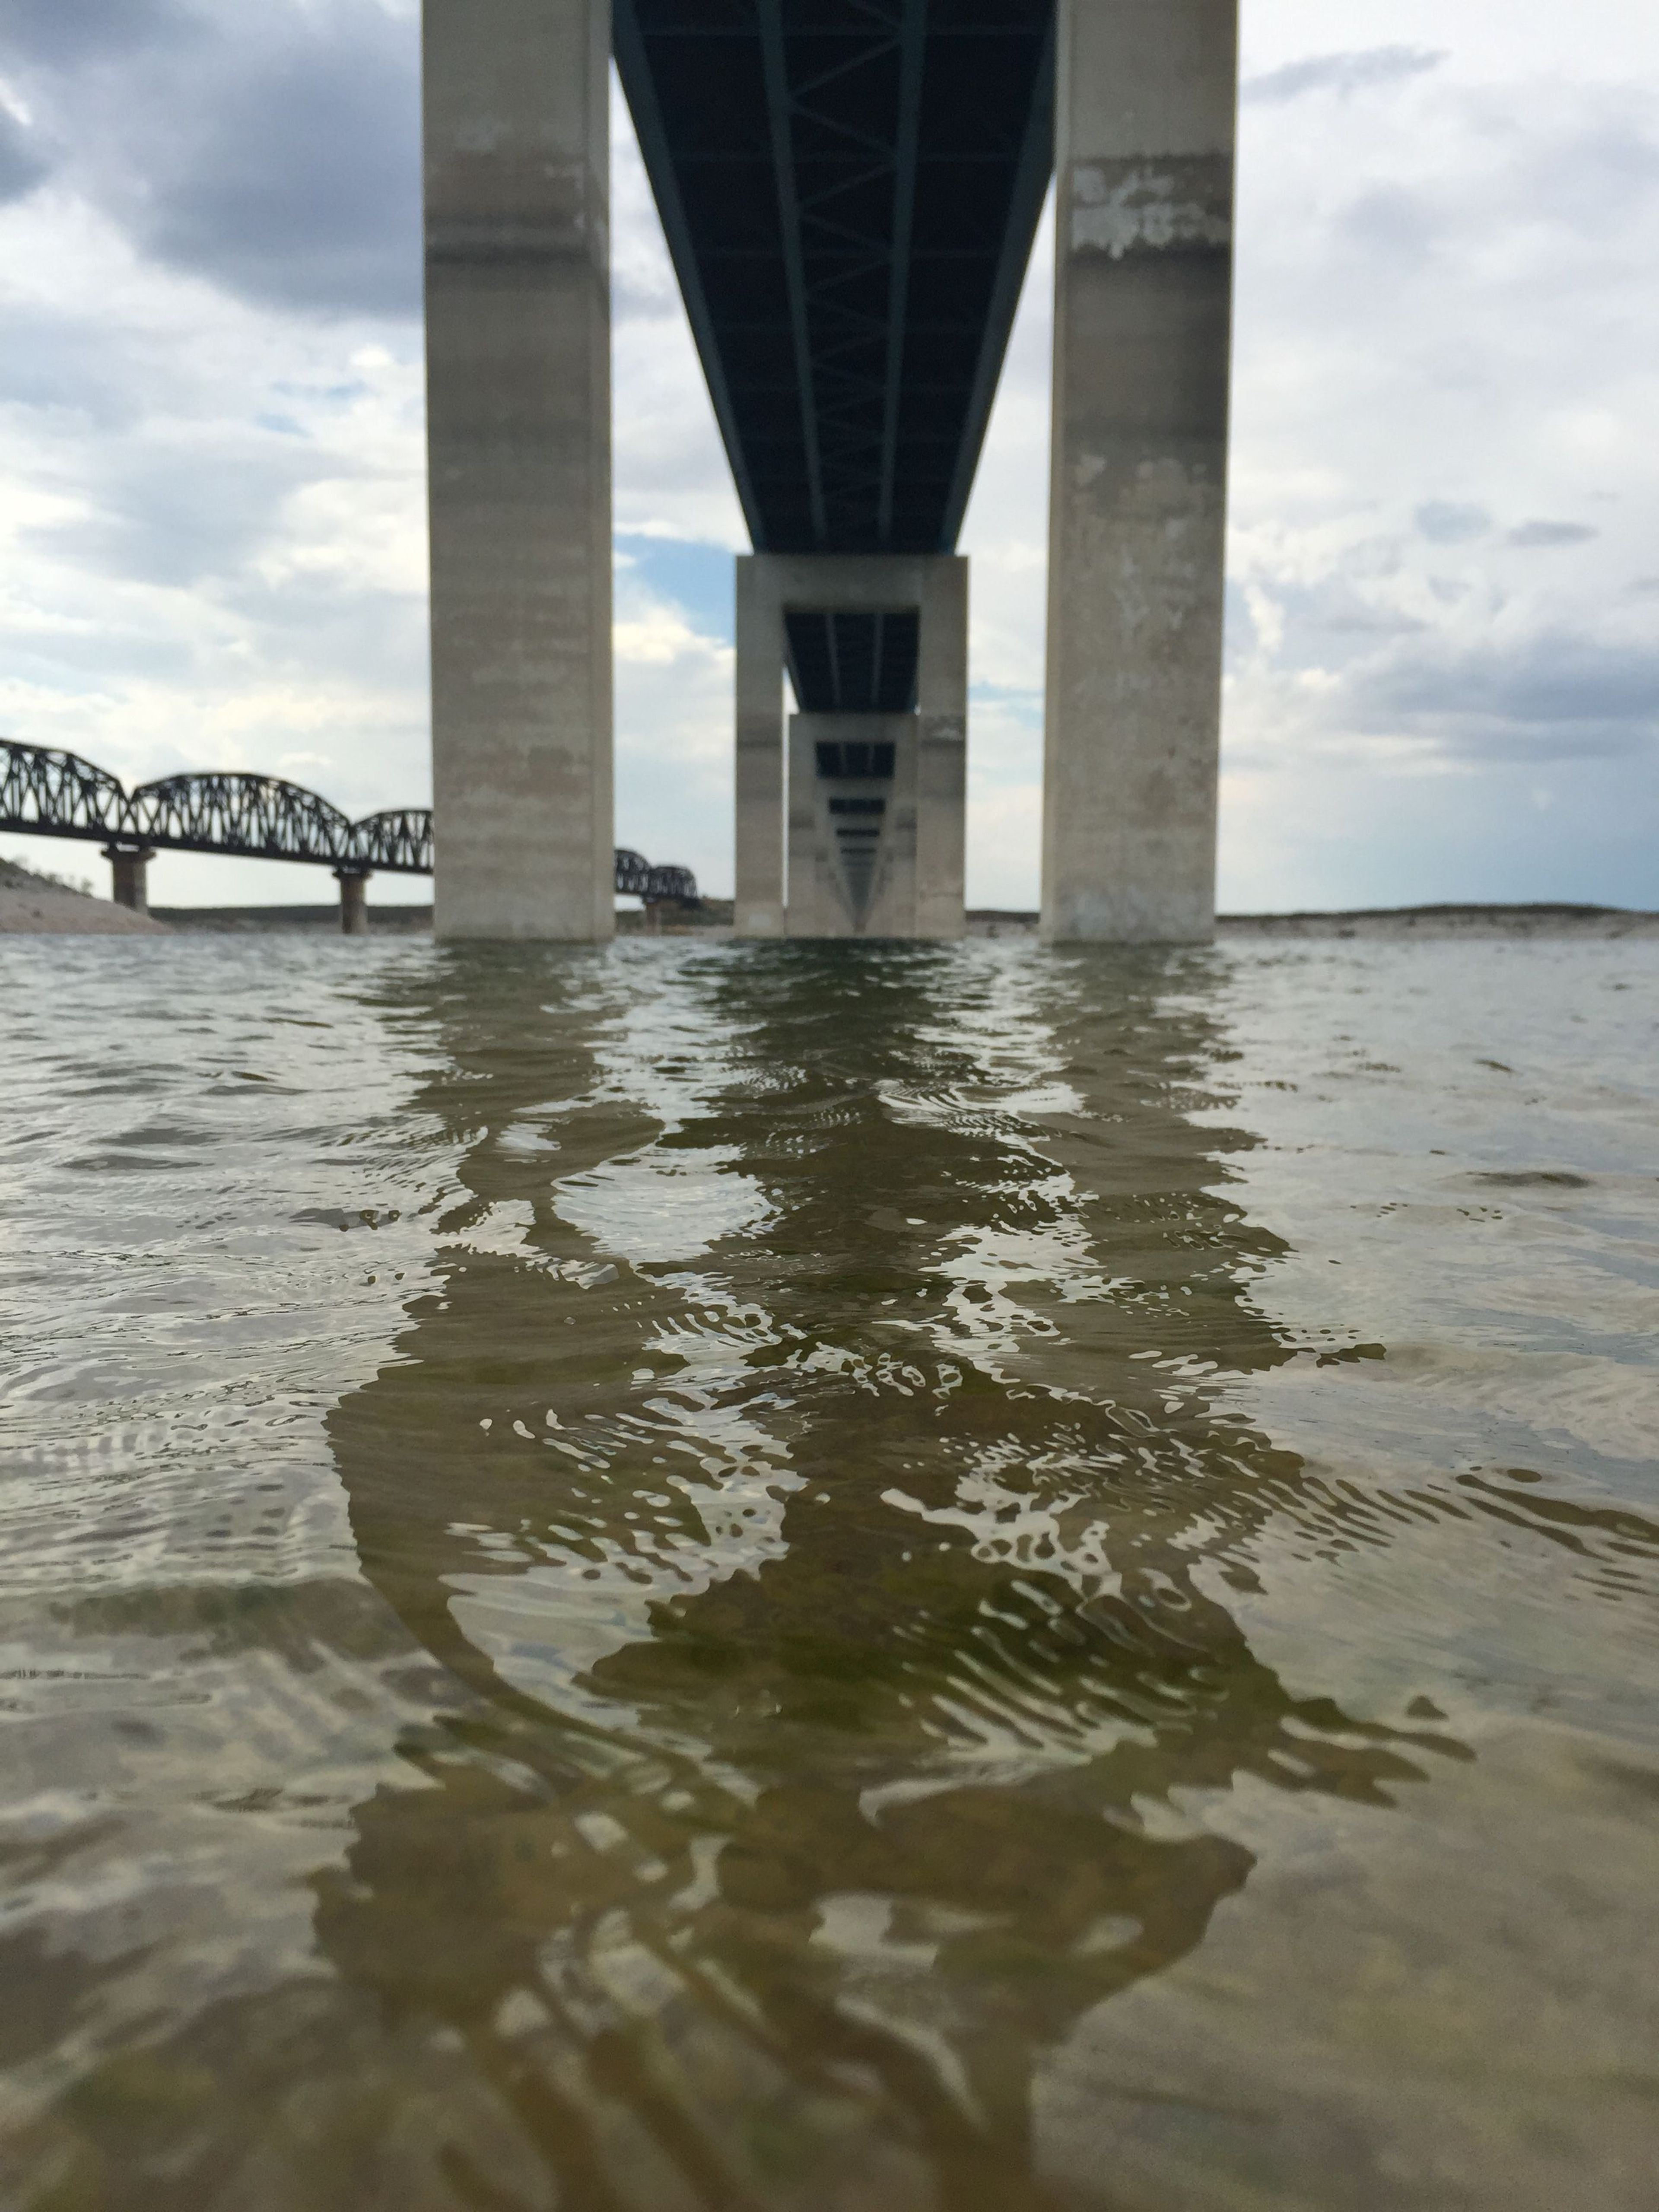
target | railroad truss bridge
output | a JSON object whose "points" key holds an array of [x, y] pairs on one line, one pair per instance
{"points": [[48, 793]]}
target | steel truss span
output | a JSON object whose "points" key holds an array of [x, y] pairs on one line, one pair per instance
{"points": [[47, 794], [849, 189]]}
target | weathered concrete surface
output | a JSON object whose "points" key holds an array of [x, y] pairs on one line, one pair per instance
{"points": [[354, 902], [1147, 95], [519, 399], [32, 906], [758, 846], [129, 876], [770, 584]]}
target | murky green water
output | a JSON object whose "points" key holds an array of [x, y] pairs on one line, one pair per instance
{"points": [[903, 1578]]}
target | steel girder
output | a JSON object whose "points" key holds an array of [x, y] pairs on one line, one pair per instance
{"points": [[47, 794], [258, 816], [849, 189]]}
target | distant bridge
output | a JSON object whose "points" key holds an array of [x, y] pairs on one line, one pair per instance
{"points": [[44, 792]]}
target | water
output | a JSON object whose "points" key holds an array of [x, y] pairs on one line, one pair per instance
{"points": [[708, 1577]]}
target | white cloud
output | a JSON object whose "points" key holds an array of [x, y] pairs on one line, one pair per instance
{"points": [[1341, 74], [212, 544]]}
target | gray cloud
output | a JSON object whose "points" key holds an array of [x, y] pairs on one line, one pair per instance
{"points": [[299, 184], [1611, 164], [23, 164], [1551, 533], [1343, 74], [178, 519], [1553, 696], [59, 33], [1445, 522], [1390, 222], [276, 154]]}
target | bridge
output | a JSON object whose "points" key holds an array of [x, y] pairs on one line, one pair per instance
{"points": [[44, 792], [849, 189]]}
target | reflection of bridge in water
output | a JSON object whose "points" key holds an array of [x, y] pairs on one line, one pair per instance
{"points": [[830, 1597], [49, 794]]}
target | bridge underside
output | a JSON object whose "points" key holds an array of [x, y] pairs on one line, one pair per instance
{"points": [[849, 189]]}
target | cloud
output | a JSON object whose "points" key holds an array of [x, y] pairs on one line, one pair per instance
{"points": [[298, 181], [275, 154], [60, 33], [211, 540], [1551, 533], [23, 164], [1444, 522], [176, 516], [1557, 695], [1343, 74]]}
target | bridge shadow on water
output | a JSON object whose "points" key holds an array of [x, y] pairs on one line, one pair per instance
{"points": [[825, 1670], [805, 1511]]}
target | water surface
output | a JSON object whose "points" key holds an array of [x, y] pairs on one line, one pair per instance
{"points": [[780, 1577]]}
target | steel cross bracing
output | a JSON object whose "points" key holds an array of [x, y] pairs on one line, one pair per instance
{"points": [[48, 793], [849, 189]]}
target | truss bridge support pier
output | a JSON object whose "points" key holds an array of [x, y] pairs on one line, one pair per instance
{"points": [[855, 827], [130, 873]]}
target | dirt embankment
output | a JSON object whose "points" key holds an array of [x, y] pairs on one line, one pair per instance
{"points": [[1397, 921], [34, 905]]}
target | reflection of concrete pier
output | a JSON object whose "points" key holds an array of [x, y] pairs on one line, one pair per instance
{"points": [[830, 1611], [850, 208]]}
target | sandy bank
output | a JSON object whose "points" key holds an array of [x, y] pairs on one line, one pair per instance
{"points": [[1544, 920], [29, 903], [32, 906]]}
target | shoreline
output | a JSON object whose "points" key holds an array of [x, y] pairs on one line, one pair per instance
{"points": [[34, 906]]}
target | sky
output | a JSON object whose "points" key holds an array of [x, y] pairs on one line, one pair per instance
{"points": [[1442, 657]]}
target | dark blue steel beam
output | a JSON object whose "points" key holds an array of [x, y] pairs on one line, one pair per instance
{"points": [[779, 117], [913, 48], [850, 189]]}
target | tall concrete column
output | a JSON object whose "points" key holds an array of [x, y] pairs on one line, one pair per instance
{"points": [[1147, 95], [759, 849], [942, 751], [130, 873], [518, 407], [917, 892]]}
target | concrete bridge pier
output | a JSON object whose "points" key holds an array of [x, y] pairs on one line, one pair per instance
{"points": [[517, 154], [876, 799], [354, 901], [130, 868], [1147, 93]]}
